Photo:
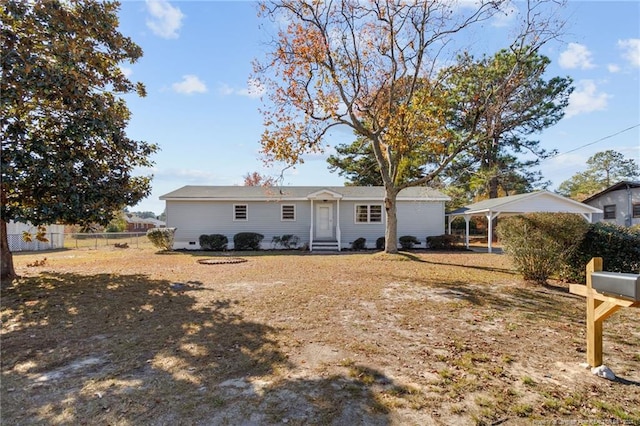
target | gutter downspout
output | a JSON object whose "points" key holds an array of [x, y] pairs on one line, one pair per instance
{"points": [[628, 219]]}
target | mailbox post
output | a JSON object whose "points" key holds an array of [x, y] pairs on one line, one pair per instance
{"points": [[601, 306]]}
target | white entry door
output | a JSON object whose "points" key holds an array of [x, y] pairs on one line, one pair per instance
{"points": [[324, 221]]}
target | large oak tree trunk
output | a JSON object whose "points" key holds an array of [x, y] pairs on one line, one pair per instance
{"points": [[7, 271], [391, 230]]}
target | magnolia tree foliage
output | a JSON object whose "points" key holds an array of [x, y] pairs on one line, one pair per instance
{"points": [[65, 155], [373, 66]]}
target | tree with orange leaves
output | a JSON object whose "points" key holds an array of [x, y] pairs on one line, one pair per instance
{"points": [[372, 66]]}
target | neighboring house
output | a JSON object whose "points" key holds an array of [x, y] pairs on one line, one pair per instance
{"points": [[15, 231], [620, 203], [322, 217], [138, 224]]}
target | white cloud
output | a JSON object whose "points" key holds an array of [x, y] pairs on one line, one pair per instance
{"points": [[187, 175], [576, 56], [126, 71], [254, 89], [613, 68], [586, 98], [165, 19], [631, 51], [190, 84], [506, 14], [225, 89]]}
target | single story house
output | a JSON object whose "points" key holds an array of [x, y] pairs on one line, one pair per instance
{"points": [[139, 224], [15, 231], [620, 203], [329, 218]]}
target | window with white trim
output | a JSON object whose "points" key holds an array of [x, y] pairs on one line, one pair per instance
{"points": [[240, 212], [369, 213], [609, 211], [288, 213], [636, 210]]}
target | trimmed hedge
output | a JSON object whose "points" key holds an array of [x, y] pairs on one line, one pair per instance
{"points": [[214, 242], [380, 243], [619, 248], [443, 242], [359, 244], [162, 238], [247, 241], [408, 241]]}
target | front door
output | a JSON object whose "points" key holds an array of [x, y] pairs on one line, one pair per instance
{"points": [[324, 221]]}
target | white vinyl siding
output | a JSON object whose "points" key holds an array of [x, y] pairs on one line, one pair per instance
{"points": [[368, 213], [418, 218], [288, 213], [195, 218], [240, 212]]}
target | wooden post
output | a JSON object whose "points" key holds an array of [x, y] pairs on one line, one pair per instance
{"points": [[599, 308], [594, 326]]}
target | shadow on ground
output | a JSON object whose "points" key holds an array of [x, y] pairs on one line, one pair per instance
{"points": [[124, 349]]}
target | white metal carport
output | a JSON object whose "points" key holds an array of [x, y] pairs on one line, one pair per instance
{"points": [[533, 202]]}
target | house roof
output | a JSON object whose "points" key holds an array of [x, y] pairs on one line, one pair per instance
{"points": [[261, 193], [138, 219], [615, 187], [538, 201]]}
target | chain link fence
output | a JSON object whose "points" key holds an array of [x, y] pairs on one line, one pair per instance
{"points": [[94, 241], [104, 240]]}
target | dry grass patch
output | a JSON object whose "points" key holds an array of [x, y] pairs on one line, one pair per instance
{"points": [[133, 337]]}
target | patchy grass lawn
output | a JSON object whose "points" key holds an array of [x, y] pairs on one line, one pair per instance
{"points": [[130, 337]]}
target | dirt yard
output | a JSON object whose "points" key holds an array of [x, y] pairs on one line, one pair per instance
{"points": [[131, 337]]}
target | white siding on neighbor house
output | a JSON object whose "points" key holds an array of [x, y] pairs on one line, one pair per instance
{"points": [[195, 218], [54, 233], [624, 206]]}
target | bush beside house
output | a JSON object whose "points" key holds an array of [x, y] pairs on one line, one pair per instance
{"points": [[544, 245], [539, 243], [213, 242], [247, 241], [162, 238]]}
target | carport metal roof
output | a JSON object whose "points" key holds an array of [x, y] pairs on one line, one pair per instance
{"points": [[533, 202]]}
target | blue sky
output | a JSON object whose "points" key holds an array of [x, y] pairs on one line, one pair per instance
{"points": [[203, 110]]}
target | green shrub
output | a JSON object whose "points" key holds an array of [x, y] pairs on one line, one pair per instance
{"points": [[287, 241], [443, 242], [538, 243], [408, 241], [162, 238], [359, 244], [247, 241], [619, 248], [215, 242], [380, 243]]}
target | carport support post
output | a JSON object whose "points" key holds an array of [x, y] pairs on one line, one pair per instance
{"points": [[466, 230], [490, 217], [594, 326]]}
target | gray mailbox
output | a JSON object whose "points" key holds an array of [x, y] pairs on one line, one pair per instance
{"points": [[617, 284]]}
